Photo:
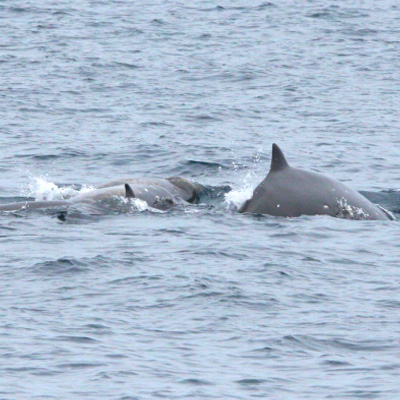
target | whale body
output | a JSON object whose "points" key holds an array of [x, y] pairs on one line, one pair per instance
{"points": [[156, 192], [292, 192]]}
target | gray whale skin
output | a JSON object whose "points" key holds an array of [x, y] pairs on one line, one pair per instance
{"points": [[156, 192], [292, 192]]}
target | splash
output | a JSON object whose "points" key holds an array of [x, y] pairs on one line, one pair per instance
{"points": [[42, 189], [237, 196]]}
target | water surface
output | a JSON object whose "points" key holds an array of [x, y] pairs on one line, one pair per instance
{"points": [[198, 302]]}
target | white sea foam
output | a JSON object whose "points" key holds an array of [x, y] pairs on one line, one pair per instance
{"points": [[42, 189], [238, 195]]}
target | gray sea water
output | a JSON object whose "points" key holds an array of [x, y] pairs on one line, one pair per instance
{"points": [[197, 302]]}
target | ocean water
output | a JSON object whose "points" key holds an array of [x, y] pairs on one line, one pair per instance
{"points": [[199, 302]]}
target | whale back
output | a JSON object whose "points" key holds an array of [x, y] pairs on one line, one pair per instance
{"points": [[33, 205], [156, 192], [177, 186], [291, 192]]}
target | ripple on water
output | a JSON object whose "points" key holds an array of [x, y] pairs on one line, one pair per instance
{"points": [[70, 266], [199, 302]]}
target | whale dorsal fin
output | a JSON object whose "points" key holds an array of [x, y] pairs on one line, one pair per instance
{"points": [[129, 192], [278, 161]]}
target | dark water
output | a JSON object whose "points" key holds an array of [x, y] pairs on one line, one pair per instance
{"points": [[198, 302]]}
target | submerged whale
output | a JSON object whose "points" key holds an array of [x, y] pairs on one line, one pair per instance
{"points": [[156, 192], [291, 192]]}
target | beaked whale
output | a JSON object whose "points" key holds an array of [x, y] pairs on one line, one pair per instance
{"points": [[156, 192], [292, 192]]}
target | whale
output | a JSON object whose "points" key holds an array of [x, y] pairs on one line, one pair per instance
{"points": [[158, 193], [292, 192]]}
